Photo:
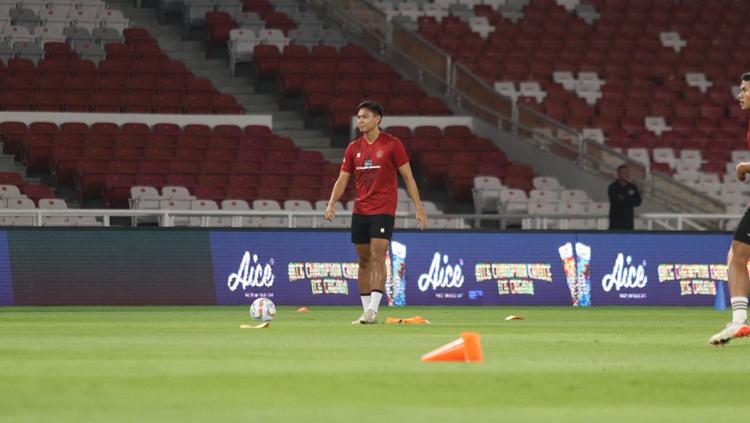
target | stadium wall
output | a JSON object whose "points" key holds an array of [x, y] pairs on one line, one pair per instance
{"points": [[156, 266]]}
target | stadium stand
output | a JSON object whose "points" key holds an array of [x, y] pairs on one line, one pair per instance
{"points": [[85, 57], [653, 76], [292, 46], [127, 166], [91, 60]]}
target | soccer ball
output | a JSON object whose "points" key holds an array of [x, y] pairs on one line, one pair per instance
{"points": [[263, 309]]}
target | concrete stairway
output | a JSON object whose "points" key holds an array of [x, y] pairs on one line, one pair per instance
{"points": [[288, 123]]}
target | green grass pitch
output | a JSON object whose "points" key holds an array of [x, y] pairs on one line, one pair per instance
{"points": [[194, 364]]}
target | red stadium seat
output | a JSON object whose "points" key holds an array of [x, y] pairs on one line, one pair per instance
{"points": [[116, 191]]}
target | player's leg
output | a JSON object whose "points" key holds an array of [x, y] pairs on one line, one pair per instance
{"points": [[739, 284], [381, 230], [361, 240], [364, 275], [378, 251], [739, 279]]}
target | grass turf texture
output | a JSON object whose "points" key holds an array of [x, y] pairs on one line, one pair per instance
{"points": [[195, 364]]}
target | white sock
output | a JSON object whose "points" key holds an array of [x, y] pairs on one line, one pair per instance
{"points": [[377, 296], [739, 309], [365, 301]]}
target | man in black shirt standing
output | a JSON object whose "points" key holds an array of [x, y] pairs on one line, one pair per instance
{"points": [[623, 197]]}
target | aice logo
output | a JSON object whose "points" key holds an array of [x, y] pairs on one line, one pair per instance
{"points": [[625, 275], [251, 274], [441, 275]]}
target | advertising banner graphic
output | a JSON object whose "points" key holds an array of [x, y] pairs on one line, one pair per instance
{"points": [[321, 268], [656, 269], [311, 267]]}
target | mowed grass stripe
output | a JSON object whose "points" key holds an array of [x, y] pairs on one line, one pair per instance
{"points": [[195, 364]]}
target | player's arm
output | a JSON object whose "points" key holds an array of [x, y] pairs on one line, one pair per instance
{"points": [[411, 188], [338, 190], [742, 169]]}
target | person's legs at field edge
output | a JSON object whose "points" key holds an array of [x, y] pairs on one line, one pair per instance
{"points": [[364, 274], [372, 272], [361, 241], [739, 289], [378, 251], [739, 280]]}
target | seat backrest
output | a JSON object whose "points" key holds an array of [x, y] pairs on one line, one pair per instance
{"points": [[175, 192], [203, 205], [299, 205], [489, 182], [243, 34], [691, 155], [560, 76], [695, 77], [141, 191], [595, 134], [543, 195], [513, 195], [234, 205], [21, 203], [663, 154], [271, 34], [175, 204], [9, 191], [52, 204], [571, 208], [430, 207], [86, 14], [505, 86], [530, 86], [708, 178], [654, 122], [598, 208], [546, 182], [266, 205], [542, 208], [574, 196], [321, 205], [479, 21]]}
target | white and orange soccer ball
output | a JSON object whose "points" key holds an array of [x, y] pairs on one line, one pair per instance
{"points": [[263, 309]]}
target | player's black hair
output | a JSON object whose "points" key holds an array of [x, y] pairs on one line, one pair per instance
{"points": [[622, 166], [745, 76], [371, 106]]}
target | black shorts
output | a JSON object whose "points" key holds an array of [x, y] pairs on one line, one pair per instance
{"points": [[365, 227], [742, 234]]}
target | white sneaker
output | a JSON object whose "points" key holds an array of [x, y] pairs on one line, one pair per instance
{"points": [[370, 317], [733, 330], [360, 321]]}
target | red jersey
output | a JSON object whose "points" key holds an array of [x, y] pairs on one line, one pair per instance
{"points": [[375, 168], [748, 134]]}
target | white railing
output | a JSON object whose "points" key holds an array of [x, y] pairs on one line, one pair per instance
{"points": [[168, 218]]}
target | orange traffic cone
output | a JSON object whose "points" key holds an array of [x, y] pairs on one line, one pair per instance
{"points": [[467, 348]]}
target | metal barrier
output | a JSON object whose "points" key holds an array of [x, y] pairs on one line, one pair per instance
{"points": [[422, 61], [555, 221]]}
